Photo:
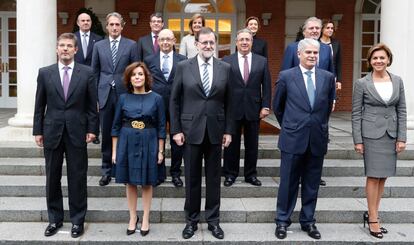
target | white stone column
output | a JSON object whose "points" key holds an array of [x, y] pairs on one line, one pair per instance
{"points": [[36, 47], [397, 31]]}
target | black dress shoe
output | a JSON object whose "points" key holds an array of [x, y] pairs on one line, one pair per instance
{"points": [[144, 233], [254, 181], [228, 181], [53, 228], [130, 232], [104, 180], [189, 230], [312, 231], [159, 182], [323, 182], [281, 231], [96, 141], [77, 231], [177, 182], [216, 231]]}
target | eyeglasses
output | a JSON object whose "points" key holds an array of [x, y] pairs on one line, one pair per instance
{"points": [[156, 21], [165, 39], [205, 43]]}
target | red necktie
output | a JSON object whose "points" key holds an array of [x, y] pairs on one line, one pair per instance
{"points": [[156, 47]]}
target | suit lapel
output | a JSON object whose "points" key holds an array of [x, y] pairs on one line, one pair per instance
{"points": [[236, 67], [372, 90], [196, 73], [90, 43], [56, 80], [395, 89], [318, 84], [300, 83], [74, 80], [174, 63], [121, 50], [108, 52], [216, 72]]}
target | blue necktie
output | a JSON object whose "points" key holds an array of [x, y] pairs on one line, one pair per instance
{"points": [[310, 88], [165, 69], [114, 51]]}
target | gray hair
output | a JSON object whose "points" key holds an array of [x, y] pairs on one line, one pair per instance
{"points": [[306, 42], [311, 19], [245, 30], [117, 15]]}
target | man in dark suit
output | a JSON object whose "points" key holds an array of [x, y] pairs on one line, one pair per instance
{"points": [[148, 45], [109, 59], [64, 122], [85, 40], [162, 66], [251, 91], [311, 29], [201, 120], [302, 104]]}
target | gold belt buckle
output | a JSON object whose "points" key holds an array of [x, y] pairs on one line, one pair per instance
{"points": [[138, 124]]}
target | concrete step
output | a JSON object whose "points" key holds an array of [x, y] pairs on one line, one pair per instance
{"points": [[265, 167], [267, 150], [233, 210], [235, 233], [34, 186]]}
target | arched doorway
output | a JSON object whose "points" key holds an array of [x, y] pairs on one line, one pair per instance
{"points": [[221, 16]]}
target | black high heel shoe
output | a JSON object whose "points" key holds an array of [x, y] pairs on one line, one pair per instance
{"points": [[130, 232], [144, 233], [373, 233], [383, 229]]}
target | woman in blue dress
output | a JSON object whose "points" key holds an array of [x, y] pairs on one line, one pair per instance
{"points": [[138, 134]]}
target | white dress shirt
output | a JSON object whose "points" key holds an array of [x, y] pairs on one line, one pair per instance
{"points": [[62, 71], [169, 60], [241, 62], [209, 68], [305, 77]]}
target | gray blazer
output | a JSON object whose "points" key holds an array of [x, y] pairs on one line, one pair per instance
{"points": [[372, 117]]}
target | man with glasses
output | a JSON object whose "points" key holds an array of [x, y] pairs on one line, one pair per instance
{"points": [[148, 45], [162, 66], [201, 121]]}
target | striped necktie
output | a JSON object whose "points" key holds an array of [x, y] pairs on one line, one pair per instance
{"points": [[206, 80], [114, 51]]}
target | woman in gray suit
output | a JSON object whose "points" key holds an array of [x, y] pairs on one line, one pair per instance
{"points": [[379, 125]]}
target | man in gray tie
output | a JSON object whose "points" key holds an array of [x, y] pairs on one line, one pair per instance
{"points": [[85, 39], [109, 59], [302, 104], [201, 121], [162, 66]]}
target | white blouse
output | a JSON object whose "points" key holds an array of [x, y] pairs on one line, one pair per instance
{"points": [[384, 89]]}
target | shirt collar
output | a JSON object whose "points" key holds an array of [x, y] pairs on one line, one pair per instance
{"points": [[61, 65], [170, 54], [201, 61], [87, 33], [303, 69], [241, 55], [118, 39]]}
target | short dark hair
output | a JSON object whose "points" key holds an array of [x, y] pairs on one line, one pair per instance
{"points": [[128, 73], [205, 31], [196, 16], [68, 35], [378, 47], [158, 15]]}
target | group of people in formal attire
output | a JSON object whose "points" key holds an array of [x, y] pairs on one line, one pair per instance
{"points": [[129, 91]]}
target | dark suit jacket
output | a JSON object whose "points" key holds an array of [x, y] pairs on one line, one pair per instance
{"points": [[249, 99], [290, 57], [192, 112], [79, 56], [159, 84], [259, 46], [302, 126], [145, 47], [337, 58], [104, 69], [77, 115]]}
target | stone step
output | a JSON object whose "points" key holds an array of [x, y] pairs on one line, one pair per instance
{"points": [[34, 186], [267, 150], [265, 167], [235, 233], [233, 210]]}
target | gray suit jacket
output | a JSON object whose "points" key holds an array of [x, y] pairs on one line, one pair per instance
{"points": [[372, 117], [104, 70], [192, 112]]}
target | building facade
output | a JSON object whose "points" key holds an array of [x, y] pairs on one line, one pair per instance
{"points": [[30, 28]]}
